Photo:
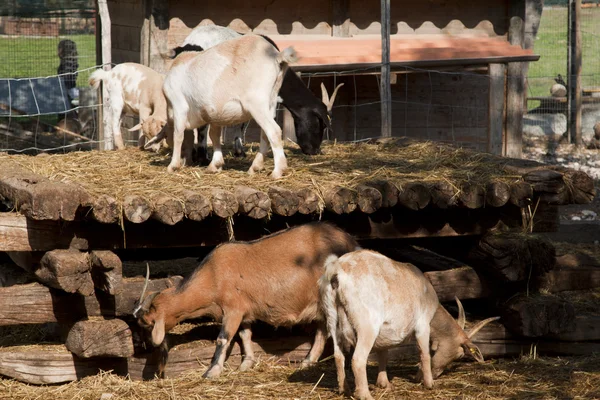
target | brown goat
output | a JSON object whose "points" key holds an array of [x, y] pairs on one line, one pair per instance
{"points": [[273, 279]]}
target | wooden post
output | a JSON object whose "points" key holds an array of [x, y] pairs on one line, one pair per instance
{"points": [[341, 18], [386, 89], [497, 73], [106, 65], [515, 85], [574, 83], [158, 32]]}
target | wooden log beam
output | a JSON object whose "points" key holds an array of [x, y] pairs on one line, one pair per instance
{"points": [[497, 194], [167, 210], [106, 209], [369, 199], [463, 282], [67, 270], [107, 271], [224, 203], [414, 196], [197, 206], [252, 202], [571, 272], [513, 257], [39, 198], [521, 194], [308, 201], [581, 187], [37, 304], [283, 201], [389, 192], [340, 200], [443, 195], [471, 196], [100, 338], [538, 315], [136, 209]]}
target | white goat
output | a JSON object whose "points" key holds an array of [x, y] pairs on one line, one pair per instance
{"points": [[228, 84], [374, 303], [135, 89]]}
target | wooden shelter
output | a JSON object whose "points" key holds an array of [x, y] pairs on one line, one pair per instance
{"points": [[458, 67]]}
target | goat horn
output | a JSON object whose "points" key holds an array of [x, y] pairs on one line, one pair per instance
{"points": [[330, 104], [155, 139], [461, 314], [145, 283], [324, 95], [135, 128], [480, 325]]}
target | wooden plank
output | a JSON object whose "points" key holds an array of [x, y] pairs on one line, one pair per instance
{"points": [[158, 32], [386, 90], [341, 18], [497, 97], [100, 338], [463, 282]]}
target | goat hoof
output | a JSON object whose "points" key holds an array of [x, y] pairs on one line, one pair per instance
{"points": [[212, 373], [384, 385], [247, 365], [363, 396], [213, 170], [276, 175]]}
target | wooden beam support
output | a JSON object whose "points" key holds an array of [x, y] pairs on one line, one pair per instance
{"points": [[497, 73], [386, 89], [574, 83], [108, 136]]}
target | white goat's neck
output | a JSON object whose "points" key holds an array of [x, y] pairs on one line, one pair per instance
{"points": [[444, 327]]}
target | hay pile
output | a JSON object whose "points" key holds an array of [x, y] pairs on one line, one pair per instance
{"points": [[132, 171], [526, 378]]}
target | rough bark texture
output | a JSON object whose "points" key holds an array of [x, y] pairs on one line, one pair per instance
{"points": [[369, 199], [39, 198], [414, 196], [497, 194], [340, 200], [136, 209], [68, 270], [34, 303], [167, 210], [197, 206], [100, 338], [252, 202], [308, 201], [538, 315], [107, 271], [224, 203], [106, 210], [284, 202], [512, 256]]}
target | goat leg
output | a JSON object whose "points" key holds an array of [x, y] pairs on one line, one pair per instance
{"points": [[317, 348], [229, 327], [246, 336]]}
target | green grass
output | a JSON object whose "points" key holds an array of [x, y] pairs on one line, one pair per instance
{"points": [[551, 45], [24, 57]]}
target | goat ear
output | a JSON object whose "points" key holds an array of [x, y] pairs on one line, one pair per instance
{"points": [[135, 128], [324, 95], [473, 351], [158, 332]]}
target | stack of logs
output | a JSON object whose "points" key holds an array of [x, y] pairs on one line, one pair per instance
{"points": [[517, 275], [38, 198]]}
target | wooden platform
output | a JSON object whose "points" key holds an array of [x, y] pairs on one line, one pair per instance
{"points": [[320, 54]]}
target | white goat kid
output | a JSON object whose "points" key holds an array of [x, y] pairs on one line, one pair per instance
{"points": [[135, 89], [225, 85], [374, 303]]}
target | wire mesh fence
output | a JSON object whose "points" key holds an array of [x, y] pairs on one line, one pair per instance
{"points": [[49, 50]]}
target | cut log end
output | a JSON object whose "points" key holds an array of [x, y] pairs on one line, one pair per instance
{"points": [[224, 203], [472, 196], [369, 199], [389, 192], [68, 270], [252, 202], [341, 200], [136, 209], [167, 210], [107, 271], [538, 315], [283, 201], [102, 338], [414, 196], [106, 210], [197, 206], [497, 194], [443, 195], [308, 201]]}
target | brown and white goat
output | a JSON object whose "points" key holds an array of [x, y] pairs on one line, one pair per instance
{"points": [[273, 279], [374, 303], [228, 84], [135, 89]]}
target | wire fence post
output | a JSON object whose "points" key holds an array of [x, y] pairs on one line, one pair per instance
{"points": [[575, 63], [386, 89]]}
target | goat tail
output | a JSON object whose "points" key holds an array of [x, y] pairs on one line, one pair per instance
{"points": [[97, 76], [287, 56], [328, 284]]}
